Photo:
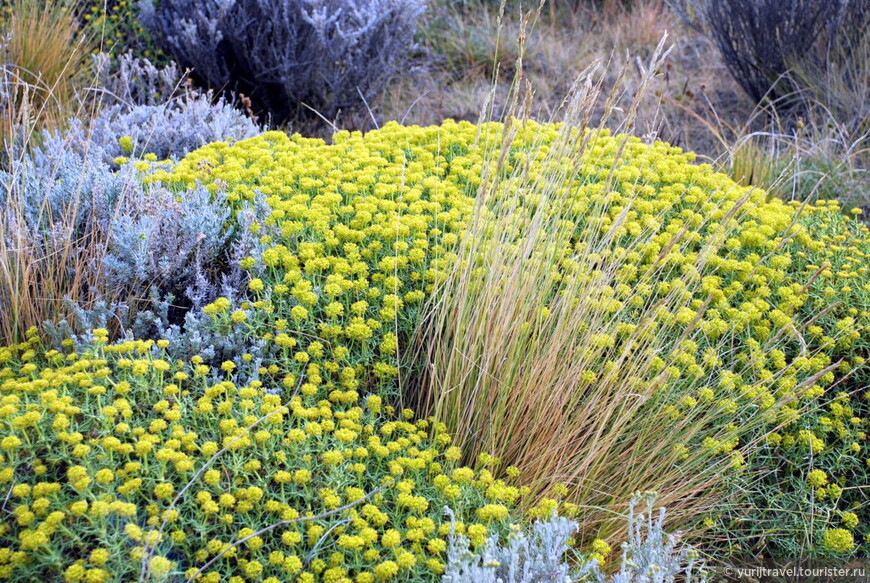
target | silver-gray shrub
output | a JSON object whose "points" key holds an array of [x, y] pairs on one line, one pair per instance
{"points": [[181, 320], [130, 80], [57, 185], [197, 335], [650, 555], [189, 332], [170, 130], [169, 310], [159, 240], [156, 243], [283, 53], [536, 557]]}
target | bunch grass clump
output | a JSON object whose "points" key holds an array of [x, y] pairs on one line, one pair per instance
{"points": [[45, 65], [598, 296]]}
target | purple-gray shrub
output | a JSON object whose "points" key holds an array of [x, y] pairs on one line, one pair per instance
{"points": [[285, 53]]}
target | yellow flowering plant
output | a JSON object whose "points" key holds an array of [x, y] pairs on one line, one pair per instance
{"points": [[654, 293], [121, 465], [116, 24], [363, 230], [121, 460]]}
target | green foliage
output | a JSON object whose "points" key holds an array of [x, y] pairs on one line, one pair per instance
{"points": [[126, 463]]}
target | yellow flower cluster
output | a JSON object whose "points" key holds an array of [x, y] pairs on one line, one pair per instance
{"points": [[117, 459], [116, 23]]}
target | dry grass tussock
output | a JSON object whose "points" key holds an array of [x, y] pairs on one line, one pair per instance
{"points": [[46, 66], [41, 91], [512, 336]]}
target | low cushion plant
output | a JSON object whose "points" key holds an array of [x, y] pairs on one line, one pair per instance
{"points": [[120, 459], [122, 464]]}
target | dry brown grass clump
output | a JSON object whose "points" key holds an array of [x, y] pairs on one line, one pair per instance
{"points": [[512, 344], [46, 62]]}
